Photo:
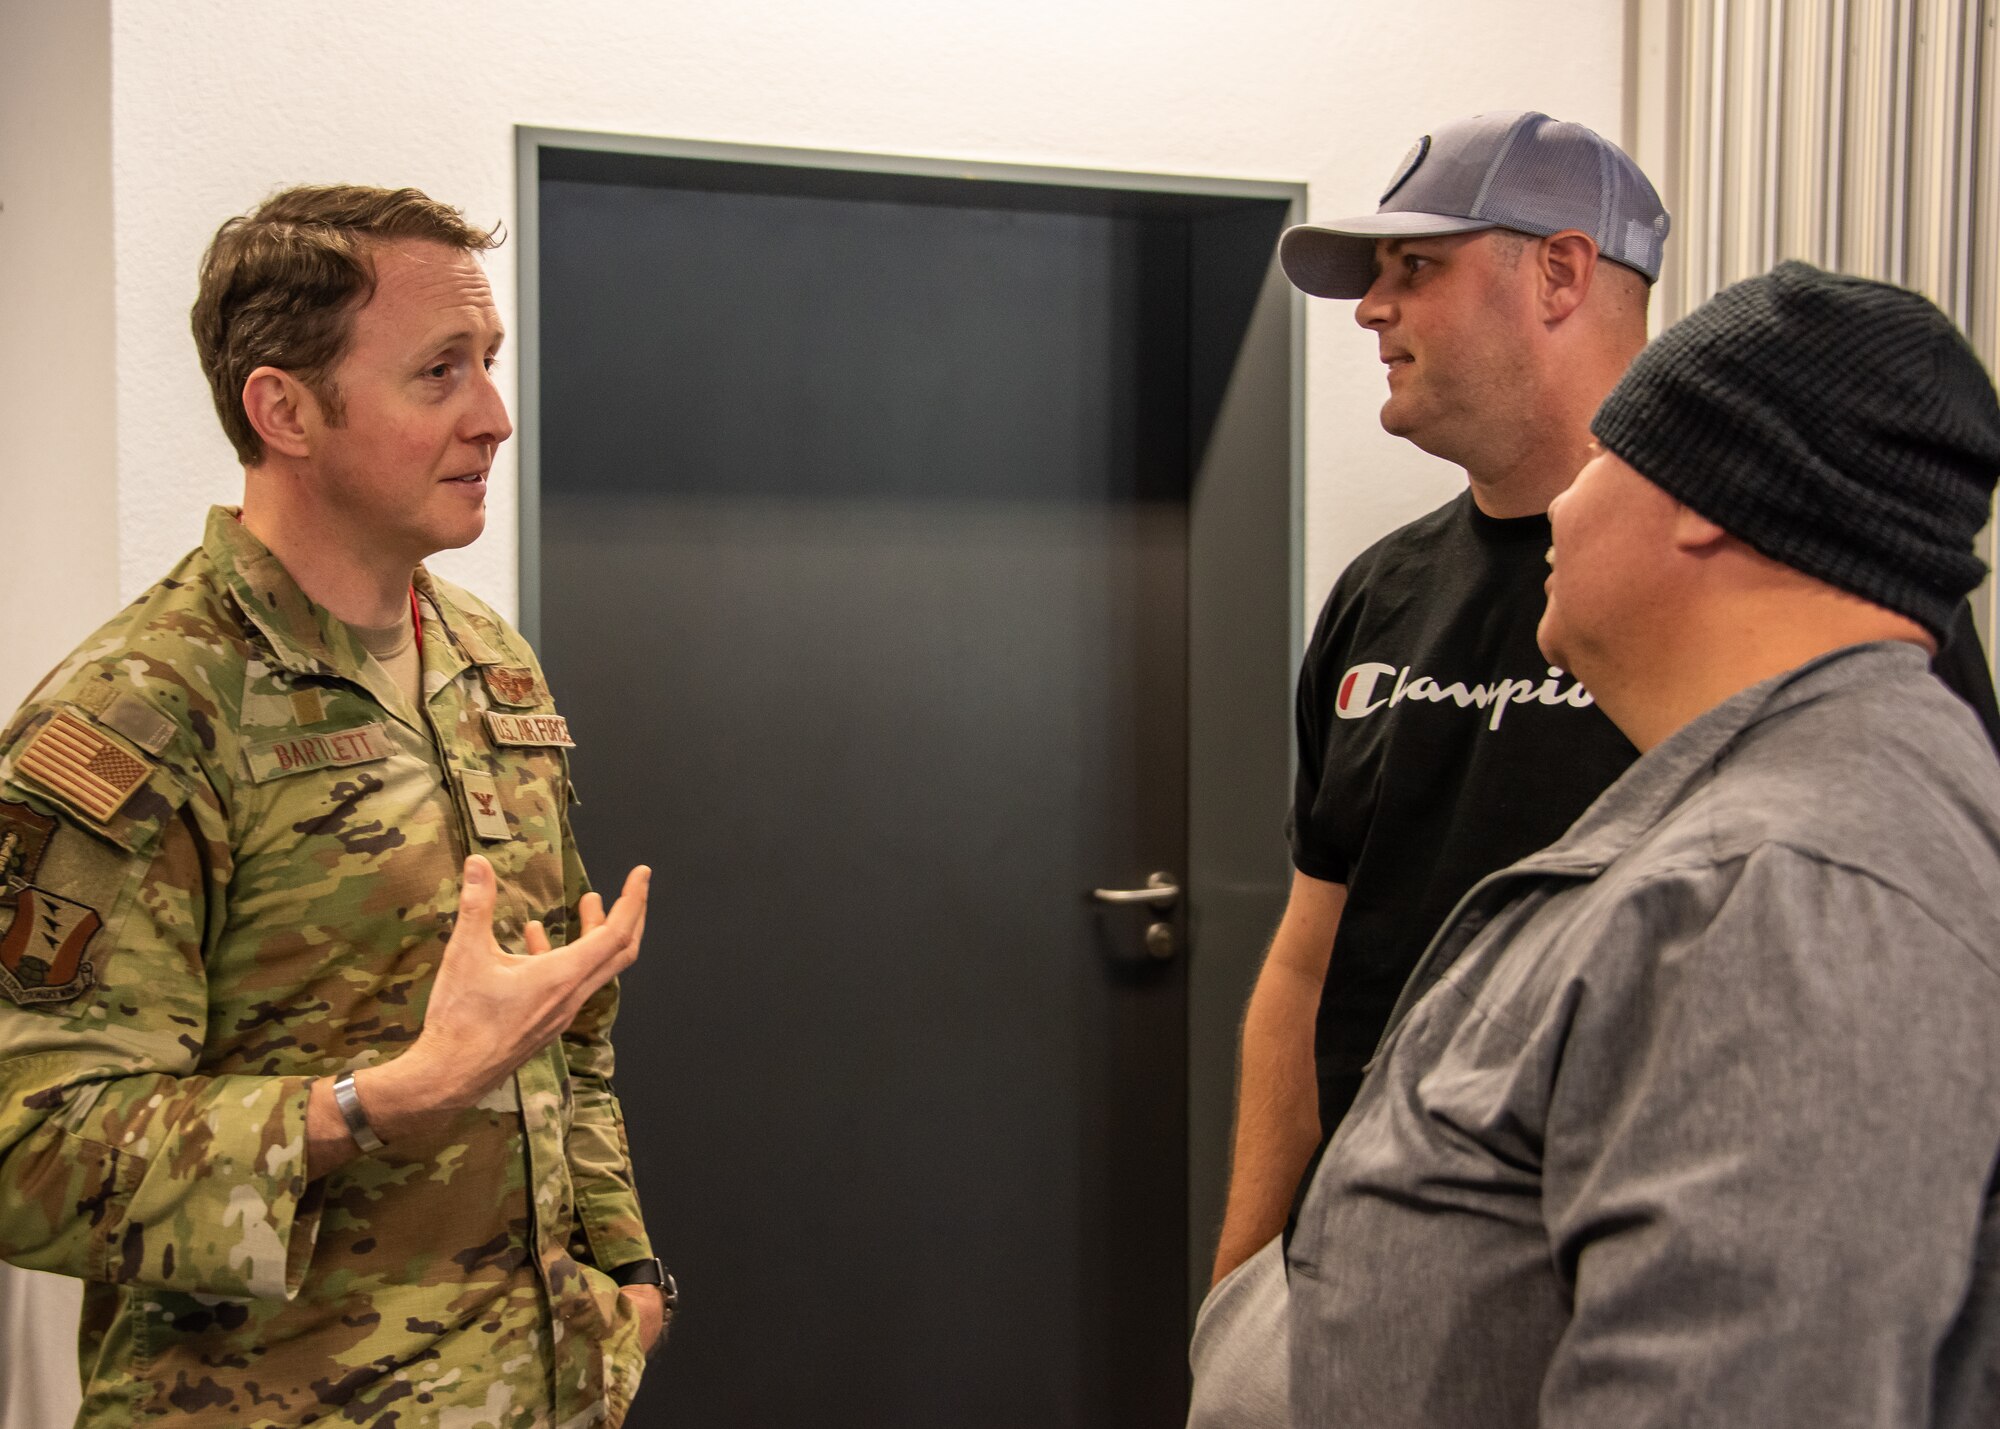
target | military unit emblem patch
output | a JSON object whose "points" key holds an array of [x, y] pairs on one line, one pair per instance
{"points": [[24, 837], [42, 951]]}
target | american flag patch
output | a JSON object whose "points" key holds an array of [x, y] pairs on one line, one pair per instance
{"points": [[88, 771]]}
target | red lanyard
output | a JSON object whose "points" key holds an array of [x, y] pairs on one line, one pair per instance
{"points": [[417, 622]]}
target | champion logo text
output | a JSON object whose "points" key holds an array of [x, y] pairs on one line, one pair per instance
{"points": [[1373, 686]]}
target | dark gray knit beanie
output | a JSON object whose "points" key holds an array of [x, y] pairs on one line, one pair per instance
{"points": [[1841, 426]]}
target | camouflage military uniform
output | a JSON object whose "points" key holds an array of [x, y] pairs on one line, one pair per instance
{"points": [[229, 861]]}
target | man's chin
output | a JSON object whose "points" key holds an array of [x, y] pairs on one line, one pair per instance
{"points": [[1548, 639], [1425, 433], [455, 535]]}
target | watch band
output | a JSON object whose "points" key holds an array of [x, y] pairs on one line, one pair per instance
{"points": [[349, 1102], [652, 1271]]}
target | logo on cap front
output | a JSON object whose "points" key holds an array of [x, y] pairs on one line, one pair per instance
{"points": [[1409, 166]]}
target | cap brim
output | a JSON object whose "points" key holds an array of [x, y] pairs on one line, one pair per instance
{"points": [[1337, 260]]}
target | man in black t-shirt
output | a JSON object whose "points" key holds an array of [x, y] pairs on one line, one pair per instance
{"points": [[1505, 276]]}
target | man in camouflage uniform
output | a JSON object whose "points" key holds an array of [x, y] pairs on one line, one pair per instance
{"points": [[246, 847]]}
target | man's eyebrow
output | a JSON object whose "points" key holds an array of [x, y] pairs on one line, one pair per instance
{"points": [[496, 336]]}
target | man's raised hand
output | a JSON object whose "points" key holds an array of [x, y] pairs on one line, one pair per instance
{"points": [[490, 1012]]}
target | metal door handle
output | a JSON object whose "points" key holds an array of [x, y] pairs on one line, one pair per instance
{"points": [[1160, 890]]}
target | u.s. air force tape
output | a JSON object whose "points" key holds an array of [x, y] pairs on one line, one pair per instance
{"points": [[529, 729]]}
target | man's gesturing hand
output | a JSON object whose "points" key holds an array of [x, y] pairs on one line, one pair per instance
{"points": [[490, 1012]]}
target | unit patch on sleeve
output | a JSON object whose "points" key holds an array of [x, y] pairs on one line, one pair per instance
{"points": [[81, 766], [24, 838], [529, 729], [361, 745], [42, 950]]}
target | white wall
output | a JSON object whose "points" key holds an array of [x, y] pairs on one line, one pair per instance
{"points": [[218, 103], [58, 488]]}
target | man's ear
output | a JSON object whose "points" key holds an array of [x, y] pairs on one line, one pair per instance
{"points": [[1694, 533], [1568, 263], [283, 411]]}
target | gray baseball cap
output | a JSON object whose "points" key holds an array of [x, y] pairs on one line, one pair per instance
{"points": [[1523, 171]]}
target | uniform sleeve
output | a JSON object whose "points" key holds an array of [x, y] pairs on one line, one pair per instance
{"points": [[119, 1162], [1963, 667], [600, 1159], [1768, 1159]]}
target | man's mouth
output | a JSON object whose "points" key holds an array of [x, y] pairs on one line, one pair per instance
{"points": [[471, 478]]}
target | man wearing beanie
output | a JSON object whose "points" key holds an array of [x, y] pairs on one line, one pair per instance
{"points": [[1505, 277], [1692, 1117]]}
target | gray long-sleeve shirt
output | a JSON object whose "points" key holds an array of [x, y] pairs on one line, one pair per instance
{"points": [[1693, 1117]]}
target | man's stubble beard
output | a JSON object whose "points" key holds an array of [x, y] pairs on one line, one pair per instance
{"points": [[1435, 433], [1479, 424]]}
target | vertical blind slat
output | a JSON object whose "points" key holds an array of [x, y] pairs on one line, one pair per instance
{"points": [[1861, 135]]}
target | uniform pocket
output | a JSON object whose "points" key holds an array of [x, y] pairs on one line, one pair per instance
{"points": [[621, 1355]]}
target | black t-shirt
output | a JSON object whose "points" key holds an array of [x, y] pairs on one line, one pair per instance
{"points": [[1437, 744]]}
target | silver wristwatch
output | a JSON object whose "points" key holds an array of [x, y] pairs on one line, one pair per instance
{"points": [[349, 1102]]}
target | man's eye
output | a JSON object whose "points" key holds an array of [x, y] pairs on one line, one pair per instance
{"points": [[440, 369]]}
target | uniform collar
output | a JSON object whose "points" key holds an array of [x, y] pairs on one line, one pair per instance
{"points": [[1669, 773], [307, 639], [466, 630], [1643, 798], [302, 636]]}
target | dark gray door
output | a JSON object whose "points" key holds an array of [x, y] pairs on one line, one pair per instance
{"points": [[863, 584]]}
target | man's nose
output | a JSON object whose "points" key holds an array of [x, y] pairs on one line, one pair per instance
{"points": [[1374, 308], [488, 422]]}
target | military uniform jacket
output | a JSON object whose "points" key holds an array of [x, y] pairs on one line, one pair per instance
{"points": [[230, 856]]}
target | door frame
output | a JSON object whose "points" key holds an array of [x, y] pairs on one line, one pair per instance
{"points": [[1246, 613]]}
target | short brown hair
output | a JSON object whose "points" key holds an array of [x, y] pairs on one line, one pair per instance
{"points": [[279, 286]]}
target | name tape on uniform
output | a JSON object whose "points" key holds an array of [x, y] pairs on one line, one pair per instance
{"points": [[360, 745], [529, 729]]}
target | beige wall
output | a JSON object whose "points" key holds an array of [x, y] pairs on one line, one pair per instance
{"points": [[58, 415], [58, 480]]}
